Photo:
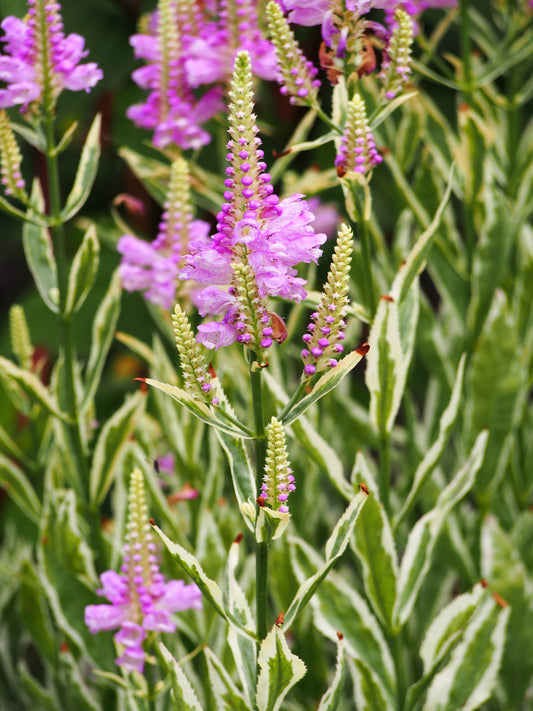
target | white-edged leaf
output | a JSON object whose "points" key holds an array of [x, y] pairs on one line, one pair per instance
{"points": [[470, 677], [374, 546], [110, 444], [241, 472], [270, 524], [448, 626], [32, 387], [39, 252], [198, 408], [184, 695], [86, 172], [103, 331], [226, 694], [434, 453], [324, 385], [279, 671], [423, 537], [83, 270], [333, 694], [19, 489], [363, 637], [335, 547], [369, 694]]}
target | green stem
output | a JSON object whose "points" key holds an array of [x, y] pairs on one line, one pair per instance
{"points": [[327, 120], [65, 324], [399, 664], [261, 552], [369, 293]]}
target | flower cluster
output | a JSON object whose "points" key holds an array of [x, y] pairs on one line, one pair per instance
{"points": [[259, 238], [11, 160], [278, 481], [40, 60], [140, 598], [395, 67], [323, 340], [357, 152], [153, 268]]}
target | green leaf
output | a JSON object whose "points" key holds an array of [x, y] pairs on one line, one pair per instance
{"points": [[335, 547], [332, 697], [83, 270], [32, 387], [184, 696], [198, 408], [241, 474], [434, 453], [210, 590], [42, 698], [324, 385], [111, 442], [86, 173], [36, 615], [152, 173], [243, 649], [510, 576], [40, 254], [279, 671], [423, 537], [102, 335], [12, 449], [369, 694], [270, 524], [19, 489], [471, 675], [496, 395], [374, 545], [225, 692], [363, 637]]}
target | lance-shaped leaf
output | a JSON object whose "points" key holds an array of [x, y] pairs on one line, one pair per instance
{"points": [[11, 448], [373, 544], [369, 694], [243, 648], [210, 590], [31, 387], [363, 637], [39, 696], [226, 694], [111, 441], [279, 671], [331, 699], [324, 385], [36, 615], [434, 453], [472, 673], [270, 524], [184, 696], [241, 472], [39, 253], [335, 547], [422, 539], [83, 270], [86, 172], [153, 174], [19, 489], [386, 370], [198, 408], [102, 334]]}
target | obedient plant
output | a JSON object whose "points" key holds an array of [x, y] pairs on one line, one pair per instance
{"points": [[302, 528]]}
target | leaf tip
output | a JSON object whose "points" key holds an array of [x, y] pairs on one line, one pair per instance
{"points": [[280, 619], [363, 349]]}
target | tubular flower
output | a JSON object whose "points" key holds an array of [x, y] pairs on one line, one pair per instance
{"points": [[153, 268], [40, 60], [11, 159], [278, 481], [259, 238], [357, 152], [171, 109], [397, 57], [296, 74], [323, 340], [140, 599]]}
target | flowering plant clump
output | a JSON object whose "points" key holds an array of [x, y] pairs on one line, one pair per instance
{"points": [[329, 221], [141, 600]]}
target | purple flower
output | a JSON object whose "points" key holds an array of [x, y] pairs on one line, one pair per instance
{"points": [[40, 60], [140, 598], [153, 268], [259, 239]]}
